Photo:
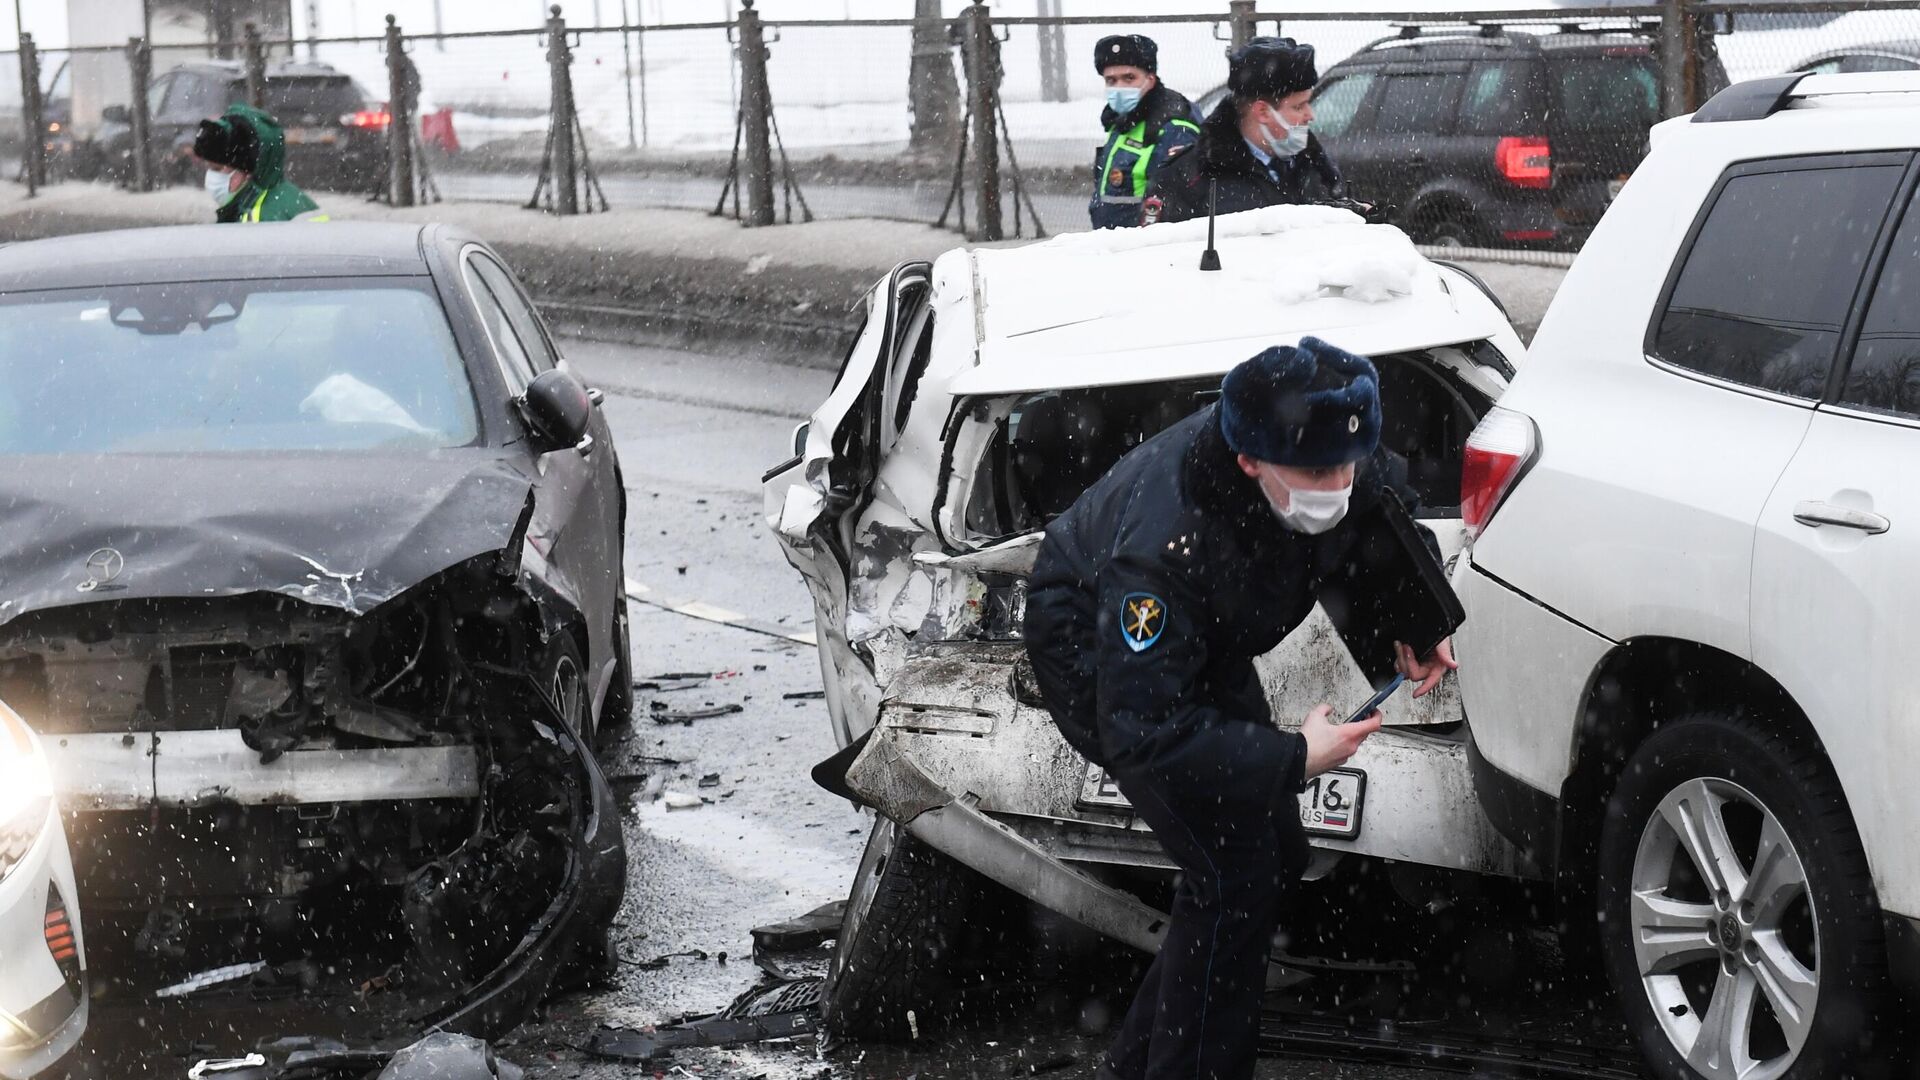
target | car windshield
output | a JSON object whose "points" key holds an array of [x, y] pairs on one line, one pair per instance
{"points": [[1610, 93], [231, 366]]}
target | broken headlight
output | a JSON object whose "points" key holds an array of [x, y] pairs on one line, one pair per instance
{"points": [[26, 791]]}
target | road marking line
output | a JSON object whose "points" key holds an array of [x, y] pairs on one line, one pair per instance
{"points": [[696, 609]]}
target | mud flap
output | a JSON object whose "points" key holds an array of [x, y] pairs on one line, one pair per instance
{"points": [[831, 774], [883, 777]]}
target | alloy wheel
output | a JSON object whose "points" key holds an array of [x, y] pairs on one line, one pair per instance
{"points": [[1724, 932]]}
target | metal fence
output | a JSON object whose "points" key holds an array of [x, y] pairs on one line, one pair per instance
{"points": [[985, 122]]}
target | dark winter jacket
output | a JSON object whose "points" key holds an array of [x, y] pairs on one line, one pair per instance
{"points": [[1137, 149], [1179, 192], [1154, 593], [268, 194]]}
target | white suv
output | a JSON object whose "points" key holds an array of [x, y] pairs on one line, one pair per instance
{"points": [[1693, 583]]}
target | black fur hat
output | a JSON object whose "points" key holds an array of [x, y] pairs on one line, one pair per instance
{"points": [[229, 141], [1270, 68], [1133, 50]]}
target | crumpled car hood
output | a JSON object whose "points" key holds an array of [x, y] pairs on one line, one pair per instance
{"points": [[341, 530]]}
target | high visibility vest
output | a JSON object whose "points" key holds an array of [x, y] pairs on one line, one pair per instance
{"points": [[1123, 171]]}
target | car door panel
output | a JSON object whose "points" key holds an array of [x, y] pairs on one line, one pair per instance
{"points": [[816, 503], [575, 528]]}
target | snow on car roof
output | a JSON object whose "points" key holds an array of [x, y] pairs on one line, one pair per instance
{"points": [[1132, 305]]}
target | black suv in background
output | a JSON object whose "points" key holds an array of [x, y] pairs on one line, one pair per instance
{"points": [[336, 133], [1491, 135]]}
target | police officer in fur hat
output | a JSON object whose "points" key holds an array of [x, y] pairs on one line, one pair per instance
{"points": [[1147, 122], [1199, 551], [1258, 148]]}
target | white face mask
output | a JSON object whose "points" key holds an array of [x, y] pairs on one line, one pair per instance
{"points": [[1310, 512], [220, 186], [1284, 146]]}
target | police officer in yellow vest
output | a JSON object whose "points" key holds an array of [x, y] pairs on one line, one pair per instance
{"points": [[1148, 124]]}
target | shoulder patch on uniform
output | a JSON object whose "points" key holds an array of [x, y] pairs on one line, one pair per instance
{"points": [[1143, 617]]}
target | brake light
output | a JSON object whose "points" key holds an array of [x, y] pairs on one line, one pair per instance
{"points": [[1498, 453], [368, 118], [1525, 162]]}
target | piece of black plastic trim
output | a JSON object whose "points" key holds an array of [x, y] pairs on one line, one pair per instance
{"points": [[1754, 99]]}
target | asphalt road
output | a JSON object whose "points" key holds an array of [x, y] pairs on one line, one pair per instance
{"points": [[694, 433]]}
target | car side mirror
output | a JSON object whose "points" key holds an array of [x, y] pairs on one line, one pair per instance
{"points": [[560, 410], [116, 114]]}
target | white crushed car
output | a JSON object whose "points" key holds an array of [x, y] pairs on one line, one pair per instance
{"points": [[43, 964], [985, 392]]}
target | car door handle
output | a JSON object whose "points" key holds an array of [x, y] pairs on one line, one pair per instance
{"points": [[1815, 514]]}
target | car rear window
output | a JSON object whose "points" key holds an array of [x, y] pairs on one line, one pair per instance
{"points": [[1609, 93], [1771, 275], [327, 97], [234, 366]]}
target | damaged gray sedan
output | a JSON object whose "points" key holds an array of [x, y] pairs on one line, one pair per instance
{"points": [[312, 588], [987, 390]]}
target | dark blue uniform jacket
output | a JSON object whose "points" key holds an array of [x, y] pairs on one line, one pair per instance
{"points": [[1154, 593]]}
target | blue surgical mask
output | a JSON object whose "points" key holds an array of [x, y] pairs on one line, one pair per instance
{"points": [[1123, 99], [1292, 143]]}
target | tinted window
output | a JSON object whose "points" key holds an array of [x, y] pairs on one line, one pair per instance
{"points": [[1500, 100], [1337, 102], [1419, 103], [515, 363], [195, 95], [1825, 67], [519, 311], [1609, 93], [1885, 375], [1770, 277], [328, 98], [231, 366]]}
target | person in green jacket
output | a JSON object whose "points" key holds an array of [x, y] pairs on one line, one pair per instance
{"points": [[246, 154]]}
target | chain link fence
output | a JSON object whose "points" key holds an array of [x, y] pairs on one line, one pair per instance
{"points": [[982, 122]]}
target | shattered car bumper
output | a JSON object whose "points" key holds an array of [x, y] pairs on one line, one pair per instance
{"points": [[970, 768]]}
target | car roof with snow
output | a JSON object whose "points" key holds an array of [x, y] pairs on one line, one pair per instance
{"points": [[1132, 305]]}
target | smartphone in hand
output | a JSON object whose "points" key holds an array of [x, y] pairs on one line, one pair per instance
{"points": [[1373, 704]]}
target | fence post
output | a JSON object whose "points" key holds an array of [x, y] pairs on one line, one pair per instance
{"points": [[400, 186], [1675, 47], [256, 67], [140, 118], [755, 110], [1053, 53], [32, 116], [566, 175], [1244, 21], [983, 94]]}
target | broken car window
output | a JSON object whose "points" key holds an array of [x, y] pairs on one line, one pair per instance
{"points": [[231, 366]]}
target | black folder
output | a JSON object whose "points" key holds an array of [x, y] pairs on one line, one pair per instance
{"points": [[1391, 588]]}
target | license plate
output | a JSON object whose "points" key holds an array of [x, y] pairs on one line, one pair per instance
{"points": [[1614, 187], [311, 137], [1330, 806]]}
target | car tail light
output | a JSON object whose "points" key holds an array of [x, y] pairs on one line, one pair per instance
{"points": [[62, 942], [1525, 162], [368, 118], [1499, 452]]}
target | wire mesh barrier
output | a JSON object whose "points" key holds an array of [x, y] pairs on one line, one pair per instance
{"points": [[1509, 128]]}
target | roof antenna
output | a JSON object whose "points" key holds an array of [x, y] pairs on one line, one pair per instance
{"points": [[1210, 259]]}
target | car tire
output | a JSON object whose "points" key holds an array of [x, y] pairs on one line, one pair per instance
{"points": [[897, 967], [1449, 232], [563, 678], [1775, 953]]}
